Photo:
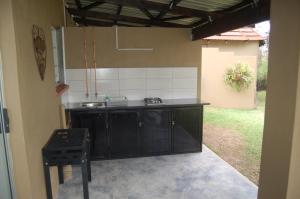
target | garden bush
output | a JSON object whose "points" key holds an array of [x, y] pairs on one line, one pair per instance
{"points": [[261, 83], [239, 77]]}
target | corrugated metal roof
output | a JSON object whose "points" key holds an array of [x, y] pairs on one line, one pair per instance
{"points": [[241, 34], [186, 20], [205, 5], [133, 12], [209, 5], [110, 7]]}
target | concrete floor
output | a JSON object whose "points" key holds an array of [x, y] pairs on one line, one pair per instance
{"points": [[187, 176]]}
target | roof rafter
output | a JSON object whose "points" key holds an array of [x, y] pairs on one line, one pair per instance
{"points": [[240, 18], [78, 4], [142, 8], [174, 18], [118, 13], [92, 5], [238, 6], [113, 17], [229, 10], [99, 23], [172, 4]]}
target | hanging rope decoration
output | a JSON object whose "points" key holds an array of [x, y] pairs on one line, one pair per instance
{"points": [[85, 64], [95, 63]]}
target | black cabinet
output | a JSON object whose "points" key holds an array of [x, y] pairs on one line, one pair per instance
{"points": [[124, 133], [187, 130], [121, 133], [96, 123], [156, 132]]}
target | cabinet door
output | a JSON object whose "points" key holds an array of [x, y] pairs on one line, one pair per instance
{"points": [[124, 133], [187, 130], [156, 132], [96, 123]]}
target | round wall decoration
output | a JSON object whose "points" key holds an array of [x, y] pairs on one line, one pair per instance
{"points": [[40, 49]]}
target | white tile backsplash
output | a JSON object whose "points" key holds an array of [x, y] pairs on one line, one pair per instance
{"points": [[162, 93], [76, 85], [76, 96], [133, 94], [190, 72], [184, 93], [75, 74], [159, 83], [134, 83], [184, 83], [159, 73], [105, 85], [106, 73], [132, 73]]}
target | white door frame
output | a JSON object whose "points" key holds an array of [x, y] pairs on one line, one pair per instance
{"points": [[5, 136]]}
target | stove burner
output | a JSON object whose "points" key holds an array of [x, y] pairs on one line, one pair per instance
{"points": [[153, 100]]}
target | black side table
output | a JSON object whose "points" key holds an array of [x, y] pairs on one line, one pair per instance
{"points": [[67, 147]]}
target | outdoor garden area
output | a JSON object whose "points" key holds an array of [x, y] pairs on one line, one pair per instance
{"points": [[236, 134]]}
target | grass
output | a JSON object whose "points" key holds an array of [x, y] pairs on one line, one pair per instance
{"points": [[248, 123]]}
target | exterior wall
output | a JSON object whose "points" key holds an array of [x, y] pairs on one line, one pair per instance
{"points": [[32, 104], [280, 169], [172, 48], [217, 57], [294, 173]]}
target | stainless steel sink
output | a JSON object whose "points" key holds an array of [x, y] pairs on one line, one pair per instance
{"points": [[93, 104]]}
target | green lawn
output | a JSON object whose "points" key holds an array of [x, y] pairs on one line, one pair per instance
{"points": [[248, 123]]}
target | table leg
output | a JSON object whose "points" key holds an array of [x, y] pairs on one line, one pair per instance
{"points": [[89, 170], [84, 170], [60, 174], [89, 161], [47, 179]]}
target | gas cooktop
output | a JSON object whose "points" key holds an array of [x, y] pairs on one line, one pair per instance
{"points": [[152, 100]]}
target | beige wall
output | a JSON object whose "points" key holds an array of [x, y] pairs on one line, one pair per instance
{"points": [[280, 171], [217, 57], [32, 103], [12, 96], [172, 47], [294, 173]]}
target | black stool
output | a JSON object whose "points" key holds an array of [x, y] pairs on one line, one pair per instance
{"points": [[67, 147]]}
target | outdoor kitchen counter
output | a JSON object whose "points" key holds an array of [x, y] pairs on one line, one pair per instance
{"points": [[133, 104], [137, 129]]}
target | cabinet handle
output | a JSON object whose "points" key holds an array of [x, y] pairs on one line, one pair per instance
{"points": [[173, 123], [140, 124]]}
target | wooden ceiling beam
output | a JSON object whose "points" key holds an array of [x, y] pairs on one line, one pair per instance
{"points": [[237, 6], [229, 10], [142, 8], [113, 17], [78, 4], [92, 5], [99, 23], [79, 7], [171, 5], [243, 17], [173, 18], [118, 13]]}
